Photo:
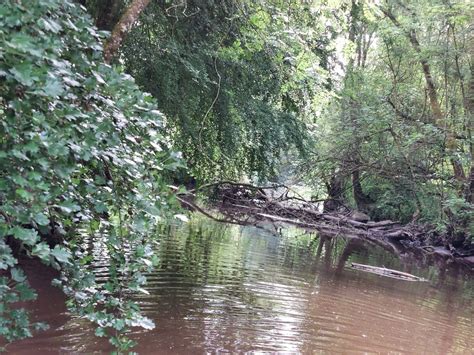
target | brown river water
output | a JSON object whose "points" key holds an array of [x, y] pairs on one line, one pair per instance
{"points": [[229, 289]]}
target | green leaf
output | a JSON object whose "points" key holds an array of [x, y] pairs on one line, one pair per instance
{"points": [[69, 206], [19, 154], [23, 74], [100, 332], [41, 219], [24, 194], [19, 180], [61, 254], [50, 25], [21, 41], [86, 260], [25, 292], [31, 147], [6, 259], [53, 88], [100, 207], [42, 251], [27, 236], [118, 324], [17, 275]]}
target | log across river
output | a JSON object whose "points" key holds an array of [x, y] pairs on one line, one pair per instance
{"points": [[244, 204]]}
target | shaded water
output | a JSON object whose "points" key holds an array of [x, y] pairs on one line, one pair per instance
{"points": [[229, 289]]}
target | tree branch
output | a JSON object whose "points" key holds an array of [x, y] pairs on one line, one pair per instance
{"points": [[123, 27]]}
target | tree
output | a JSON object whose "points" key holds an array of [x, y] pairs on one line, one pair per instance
{"points": [[224, 75], [438, 119], [400, 127]]}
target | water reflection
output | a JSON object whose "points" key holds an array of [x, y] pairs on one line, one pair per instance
{"points": [[229, 289]]}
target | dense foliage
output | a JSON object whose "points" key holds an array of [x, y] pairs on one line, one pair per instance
{"points": [[377, 95], [229, 77], [82, 155], [397, 141]]}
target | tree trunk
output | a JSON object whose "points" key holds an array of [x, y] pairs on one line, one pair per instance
{"points": [[123, 27], [468, 104], [470, 121], [362, 200], [335, 190], [357, 32]]}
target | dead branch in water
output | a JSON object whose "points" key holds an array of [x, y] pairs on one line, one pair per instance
{"points": [[382, 271], [246, 204]]}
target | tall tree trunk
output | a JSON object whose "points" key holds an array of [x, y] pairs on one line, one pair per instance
{"points": [[430, 85], [335, 189], [123, 27], [469, 105], [363, 201], [356, 36]]}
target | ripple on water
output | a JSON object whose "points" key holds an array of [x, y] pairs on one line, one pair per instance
{"points": [[239, 291]]}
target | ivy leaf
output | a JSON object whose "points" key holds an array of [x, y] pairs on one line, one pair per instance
{"points": [[118, 324], [21, 41], [68, 206], [31, 147], [53, 88], [6, 260], [50, 25], [25, 292], [24, 194], [100, 207], [19, 154], [23, 74], [100, 332]]}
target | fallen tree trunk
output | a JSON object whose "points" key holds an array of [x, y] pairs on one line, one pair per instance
{"points": [[246, 204]]}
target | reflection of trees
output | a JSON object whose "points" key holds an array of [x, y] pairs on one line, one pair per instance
{"points": [[351, 246], [445, 297], [238, 282], [454, 299], [233, 288]]}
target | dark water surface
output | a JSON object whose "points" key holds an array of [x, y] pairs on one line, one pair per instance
{"points": [[230, 289]]}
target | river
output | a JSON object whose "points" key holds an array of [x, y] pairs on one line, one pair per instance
{"points": [[226, 289]]}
